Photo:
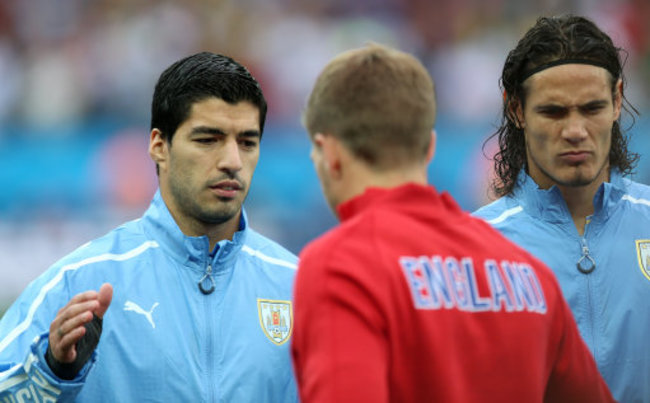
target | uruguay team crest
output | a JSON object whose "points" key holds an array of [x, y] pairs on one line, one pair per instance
{"points": [[643, 252], [276, 319]]}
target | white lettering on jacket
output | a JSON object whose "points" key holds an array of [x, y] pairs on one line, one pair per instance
{"points": [[449, 283]]}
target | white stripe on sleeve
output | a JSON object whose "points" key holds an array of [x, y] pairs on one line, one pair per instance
{"points": [[268, 259], [505, 215], [636, 201], [24, 325]]}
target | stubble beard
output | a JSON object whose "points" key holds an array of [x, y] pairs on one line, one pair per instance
{"points": [[189, 204], [577, 178]]}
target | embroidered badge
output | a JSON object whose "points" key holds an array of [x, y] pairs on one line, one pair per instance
{"points": [[276, 319], [643, 253]]}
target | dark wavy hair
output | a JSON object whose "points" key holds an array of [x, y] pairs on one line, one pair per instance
{"points": [[566, 37], [195, 78]]}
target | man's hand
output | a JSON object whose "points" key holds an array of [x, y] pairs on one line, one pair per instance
{"points": [[71, 324]]}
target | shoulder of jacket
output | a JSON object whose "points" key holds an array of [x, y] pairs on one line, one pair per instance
{"points": [[495, 208], [349, 240], [266, 250], [636, 193], [118, 244], [636, 188]]}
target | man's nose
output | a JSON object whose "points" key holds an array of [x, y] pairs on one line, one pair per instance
{"points": [[230, 157], [575, 128]]}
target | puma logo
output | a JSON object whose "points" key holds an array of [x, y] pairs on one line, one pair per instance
{"points": [[132, 306]]}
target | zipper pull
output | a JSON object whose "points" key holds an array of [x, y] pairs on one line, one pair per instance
{"points": [[207, 280], [586, 264]]}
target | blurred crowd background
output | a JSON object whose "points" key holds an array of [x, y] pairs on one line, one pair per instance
{"points": [[76, 79]]}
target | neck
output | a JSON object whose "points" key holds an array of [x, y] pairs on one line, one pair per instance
{"points": [[191, 226], [216, 233], [580, 202], [359, 180]]}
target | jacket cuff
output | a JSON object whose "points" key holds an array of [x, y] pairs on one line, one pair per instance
{"points": [[39, 349]]}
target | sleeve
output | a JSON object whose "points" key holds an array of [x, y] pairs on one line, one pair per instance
{"points": [[339, 345], [24, 373], [574, 376]]}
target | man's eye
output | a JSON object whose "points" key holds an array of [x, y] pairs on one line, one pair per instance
{"points": [[248, 143], [592, 109], [553, 112], [205, 140]]}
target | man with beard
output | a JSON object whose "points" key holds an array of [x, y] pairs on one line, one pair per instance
{"points": [[560, 175], [191, 303]]}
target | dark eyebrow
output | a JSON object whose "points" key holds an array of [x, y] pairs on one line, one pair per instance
{"points": [[549, 107], [217, 131], [592, 104], [250, 133], [206, 130], [557, 108]]}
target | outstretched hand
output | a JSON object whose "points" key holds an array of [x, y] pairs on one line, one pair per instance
{"points": [[68, 327]]}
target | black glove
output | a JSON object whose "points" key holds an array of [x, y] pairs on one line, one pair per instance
{"points": [[85, 347]]}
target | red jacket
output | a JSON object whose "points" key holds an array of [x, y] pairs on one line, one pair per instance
{"points": [[411, 299]]}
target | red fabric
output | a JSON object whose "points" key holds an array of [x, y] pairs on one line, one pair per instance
{"points": [[359, 337]]}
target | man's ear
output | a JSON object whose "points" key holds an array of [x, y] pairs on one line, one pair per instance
{"points": [[331, 149], [158, 147], [432, 146]]}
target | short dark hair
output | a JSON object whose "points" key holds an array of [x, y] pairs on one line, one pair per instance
{"points": [[195, 78], [551, 39]]}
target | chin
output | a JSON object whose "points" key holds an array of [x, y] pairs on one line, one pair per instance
{"points": [[578, 180]]}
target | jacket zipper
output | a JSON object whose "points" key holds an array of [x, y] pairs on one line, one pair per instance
{"points": [[586, 265], [209, 352], [206, 284]]}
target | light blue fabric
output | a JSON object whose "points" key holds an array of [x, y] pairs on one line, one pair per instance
{"points": [[163, 340], [611, 305]]}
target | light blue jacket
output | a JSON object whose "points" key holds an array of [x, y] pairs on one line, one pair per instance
{"points": [[611, 304], [163, 340]]}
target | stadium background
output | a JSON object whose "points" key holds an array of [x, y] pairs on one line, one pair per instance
{"points": [[76, 78]]}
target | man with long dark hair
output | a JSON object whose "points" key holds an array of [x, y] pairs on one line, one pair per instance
{"points": [[560, 177]]}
